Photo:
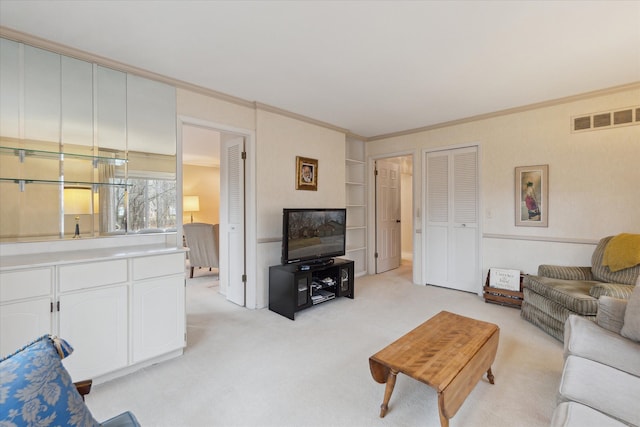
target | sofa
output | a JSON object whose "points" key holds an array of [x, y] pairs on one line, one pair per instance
{"points": [[600, 383], [557, 292], [36, 389]]}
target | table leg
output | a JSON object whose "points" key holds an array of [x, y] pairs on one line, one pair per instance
{"points": [[391, 383], [490, 376], [444, 421]]}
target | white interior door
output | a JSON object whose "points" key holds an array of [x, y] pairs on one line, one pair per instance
{"points": [[388, 242], [451, 248], [232, 224]]}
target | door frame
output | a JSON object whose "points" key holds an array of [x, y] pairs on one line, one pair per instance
{"points": [[423, 207], [251, 250], [371, 209]]}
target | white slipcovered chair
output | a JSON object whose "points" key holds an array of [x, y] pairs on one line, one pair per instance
{"points": [[202, 241]]}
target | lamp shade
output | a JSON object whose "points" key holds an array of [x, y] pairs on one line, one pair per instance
{"points": [[191, 203], [77, 201]]}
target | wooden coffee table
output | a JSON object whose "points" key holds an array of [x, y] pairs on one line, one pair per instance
{"points": [[447, 352]]}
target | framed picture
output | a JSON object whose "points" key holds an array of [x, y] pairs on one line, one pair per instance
{"points": [[306, 174], [532, 196]]}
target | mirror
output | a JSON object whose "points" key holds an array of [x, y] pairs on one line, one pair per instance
{"points": [[85, 151]]}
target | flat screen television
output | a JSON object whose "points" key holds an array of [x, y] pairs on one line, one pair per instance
{"points": [[313, 235]]}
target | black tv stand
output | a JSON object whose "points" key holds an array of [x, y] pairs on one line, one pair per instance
{"points": [[315, 264], [292, 289]]}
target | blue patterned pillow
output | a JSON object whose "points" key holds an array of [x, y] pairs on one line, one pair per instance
{"points": [[36, 389]]}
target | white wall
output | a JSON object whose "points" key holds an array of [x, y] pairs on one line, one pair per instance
{"points": [[592, 179]]}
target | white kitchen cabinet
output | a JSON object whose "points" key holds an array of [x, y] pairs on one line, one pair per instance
{"points": [[22, 322], [158, 305], [159, 317], [95, 323], [26, 298], [121, 309]]}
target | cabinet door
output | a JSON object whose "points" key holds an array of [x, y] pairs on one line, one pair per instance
{"points": [[22, 322], [94, 322], [77, 107], [302, 289], [10, 89], [345, 280], [151, 116], [41, 95], [158, 317], [111, 104]]}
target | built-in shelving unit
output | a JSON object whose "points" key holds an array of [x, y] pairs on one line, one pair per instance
{"points": [[21, 155], [356, 205]]}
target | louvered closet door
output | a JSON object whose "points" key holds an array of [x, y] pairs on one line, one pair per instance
{"points": [[451, 247], [232, 243]]}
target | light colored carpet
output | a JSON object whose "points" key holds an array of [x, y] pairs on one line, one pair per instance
{"points": [[256, 368]]}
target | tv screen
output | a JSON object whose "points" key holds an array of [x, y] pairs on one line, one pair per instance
{"points": [[313, 234]]}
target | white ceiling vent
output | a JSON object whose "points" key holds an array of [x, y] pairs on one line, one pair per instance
{"points": [[606, 120]]}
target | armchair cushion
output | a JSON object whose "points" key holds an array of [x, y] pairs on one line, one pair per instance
{"points": [[572, 295], [593, 384], [564, 272], [585, 339], [604, 274], [36, 389], [572, 414]]}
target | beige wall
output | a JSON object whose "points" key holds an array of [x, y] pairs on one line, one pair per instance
{"points": [[592, 178], [279, 139], [204, 182]]}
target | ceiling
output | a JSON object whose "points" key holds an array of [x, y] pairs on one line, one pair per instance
{"points": [[372, 67]]}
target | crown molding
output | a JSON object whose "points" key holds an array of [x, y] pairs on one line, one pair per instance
{"points": [[89, 57], [549, 103], [45, 44], [280, 111]]}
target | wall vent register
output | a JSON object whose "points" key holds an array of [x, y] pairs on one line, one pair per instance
{"points": [[606, 120]]}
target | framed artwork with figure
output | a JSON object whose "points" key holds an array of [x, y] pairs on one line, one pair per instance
{"points": [[306, 174], [532, 196]]}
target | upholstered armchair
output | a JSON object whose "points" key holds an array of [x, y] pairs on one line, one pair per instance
{"points": [[37, 389], [559, 291], [203, 242]]}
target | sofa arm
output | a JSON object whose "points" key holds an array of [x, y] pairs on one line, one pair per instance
{"points": [[614, 290], [565, 273], [611, 313]]}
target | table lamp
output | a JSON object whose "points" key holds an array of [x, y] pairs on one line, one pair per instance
{"points": [[191, 204], [77, 201]]}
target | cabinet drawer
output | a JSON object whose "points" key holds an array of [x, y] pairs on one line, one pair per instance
{"points": [[158, 265], [22, 284], [93, 274]]}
